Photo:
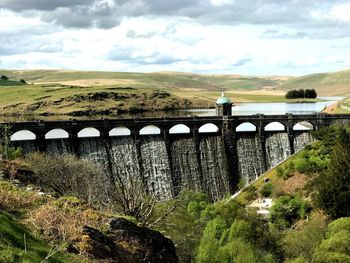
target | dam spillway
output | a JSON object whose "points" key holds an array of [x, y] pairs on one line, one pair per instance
{"points": [[182, 163], [168, 162]]}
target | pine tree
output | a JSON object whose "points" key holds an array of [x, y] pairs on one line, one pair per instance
{"points": [[333, 188]]}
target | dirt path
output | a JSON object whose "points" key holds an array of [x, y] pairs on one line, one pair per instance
{"points": [[331, 109]]}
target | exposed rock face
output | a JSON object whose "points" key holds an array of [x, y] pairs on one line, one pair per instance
{"points": [[126, 242]]}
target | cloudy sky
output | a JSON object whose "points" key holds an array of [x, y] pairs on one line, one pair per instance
{"points": [[251, 37]]}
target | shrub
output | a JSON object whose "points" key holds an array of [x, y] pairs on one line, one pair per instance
{"points": [[266, 189], [250, 193], [286, 209], [14, 199], [7, 152], [61, 220], [68, 175], [283, 171]]}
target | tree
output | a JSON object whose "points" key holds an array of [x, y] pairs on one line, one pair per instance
{"points": [[303, 242], [310, 93], [335, 248], [7, 151], [210, 242], [4, 77], [332, 189], [301, 93], [132, 199]]}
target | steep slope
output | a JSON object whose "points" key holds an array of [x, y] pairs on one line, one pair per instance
{"points": [[17, 244]]}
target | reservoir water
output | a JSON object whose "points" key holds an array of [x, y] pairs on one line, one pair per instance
{"points": [[271, 108]]}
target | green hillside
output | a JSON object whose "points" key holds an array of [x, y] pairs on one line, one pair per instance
{"points": [[17, 244], [151, 80], [67, 92], [337, 83], [58, 92]]}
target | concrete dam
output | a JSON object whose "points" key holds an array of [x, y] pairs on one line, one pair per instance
{"points": [[207, 154]]}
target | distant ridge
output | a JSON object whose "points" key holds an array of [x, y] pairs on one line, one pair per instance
{"points": [[326, 84]]}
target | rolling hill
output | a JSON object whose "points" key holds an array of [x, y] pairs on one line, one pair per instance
{"points": [[68, 92], [326, 84]]}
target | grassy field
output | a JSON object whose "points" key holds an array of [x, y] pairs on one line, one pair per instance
{"points": [[165, 80], [59, 92], [326, 84], [52, 92]]}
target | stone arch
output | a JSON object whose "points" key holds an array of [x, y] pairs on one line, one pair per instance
{"points": [[120, 131], [57, 134], [150, 130], [275, 126], [23, 135], [208, 127], [179, 129], [89, 132], [246, 126], [303, 126]]}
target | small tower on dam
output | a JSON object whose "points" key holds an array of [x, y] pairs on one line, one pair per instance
{"points": [[223, 106]]}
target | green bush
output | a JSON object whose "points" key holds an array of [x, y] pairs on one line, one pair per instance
{"points": [[287, 209], [10, 153], [266, 189]]}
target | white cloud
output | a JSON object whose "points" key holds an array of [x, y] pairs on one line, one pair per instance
{"points": [[156, 42], [221, 2], [341, 12]]}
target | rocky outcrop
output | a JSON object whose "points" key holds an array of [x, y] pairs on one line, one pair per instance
{"points": [[127, 242]]}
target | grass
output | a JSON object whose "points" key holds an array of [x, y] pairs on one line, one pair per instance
{"points": [[50, 91], [151, 80], [17, 244], [60, 99], [331, 84]]}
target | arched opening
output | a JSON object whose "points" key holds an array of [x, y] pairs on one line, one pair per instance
{"points": [[23, 135], [209, 127], [89, 132], [275, 126], [120, 131], [246, 126], [57, 134], [149, 130], [179, 129], [303, 126]]}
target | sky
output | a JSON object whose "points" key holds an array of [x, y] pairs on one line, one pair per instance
{"points": [[249, 37]]}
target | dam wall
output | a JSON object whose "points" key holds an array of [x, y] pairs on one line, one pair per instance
{"points": [[208, 154], [179, 162]]}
